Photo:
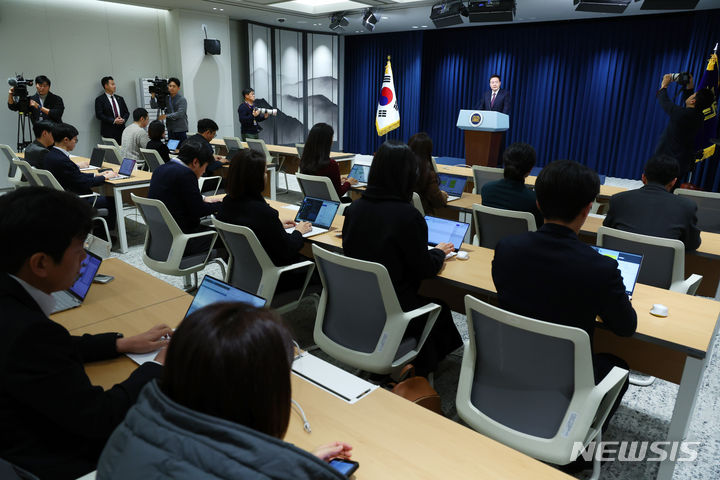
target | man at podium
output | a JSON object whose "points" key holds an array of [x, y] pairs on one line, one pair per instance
{"points": [[496, 100]]}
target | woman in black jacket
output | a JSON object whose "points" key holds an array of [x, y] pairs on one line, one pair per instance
{"points": [[384, 227]]}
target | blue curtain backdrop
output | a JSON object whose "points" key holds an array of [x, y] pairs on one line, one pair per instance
{"points": [[581, 90]]}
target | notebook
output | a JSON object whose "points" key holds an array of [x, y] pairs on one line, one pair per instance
{"points": [[320, 213], [75, 295], [441, 230], [96, 159], [454, 185], [212, 290], [628, 264], [172, 145], [126, 169], [360, 173]]}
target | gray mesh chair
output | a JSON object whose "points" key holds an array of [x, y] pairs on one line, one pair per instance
{"points": [[45, 178], [494, 224], [9, 155], [663, 263], [371, 336], [6, 183], [259, 146], [530, 385], [319, 187], [112, 154], [151, 158], [300, 148], [26, 170], [708, 213], [417, 203], [233, 143], [251, 269], [109, 141], [165, 243], [483, 175]]}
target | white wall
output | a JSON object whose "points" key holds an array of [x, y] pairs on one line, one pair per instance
{"points": [[75, 44], [206, 79]]}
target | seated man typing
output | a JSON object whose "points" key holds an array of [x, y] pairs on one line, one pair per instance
{"points": [[54, 421]]}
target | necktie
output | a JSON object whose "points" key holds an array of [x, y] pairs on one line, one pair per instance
{"points": [[492, 100], [114, 106]]}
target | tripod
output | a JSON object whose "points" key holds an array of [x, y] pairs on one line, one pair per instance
{"points": [[24, 125]]}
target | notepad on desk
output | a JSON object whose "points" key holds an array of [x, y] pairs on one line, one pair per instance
{"points": [[330, 378]]}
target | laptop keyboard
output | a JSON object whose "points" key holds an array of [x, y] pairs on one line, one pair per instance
{"points": [[64, 301]]}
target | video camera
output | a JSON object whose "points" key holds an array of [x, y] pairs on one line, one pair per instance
{"points": [[20, 92], [160, 88], [681, 78]]}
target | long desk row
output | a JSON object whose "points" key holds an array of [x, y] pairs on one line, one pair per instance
{"points": [[391, 437], [676, 348]]}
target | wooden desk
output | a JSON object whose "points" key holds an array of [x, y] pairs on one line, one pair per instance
{"points": [[384, 429], [131, 290]]}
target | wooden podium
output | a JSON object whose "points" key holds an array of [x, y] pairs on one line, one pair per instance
{"points": [[484, 131]]}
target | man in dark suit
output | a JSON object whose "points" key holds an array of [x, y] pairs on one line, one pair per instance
{"points": [[175, 183], [44, 105], [111, 110], [206, 131], [678, 138], [653, 210], [249, 116], [54, 421], [36, 151], [496, 100], [551, 275]]}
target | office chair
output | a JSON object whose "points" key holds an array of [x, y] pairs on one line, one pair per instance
{"points": [[10, 177], [483, 175], [708, 212], [530, 384], [300, 148], [368, 335], [109, 141], [112, 153], [494, 224], [417, 203], [26, 170], [319, 186], [259, 146], [151, 158]]}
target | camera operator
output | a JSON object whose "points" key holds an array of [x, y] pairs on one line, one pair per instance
{"points": [[678, 139], [250, 116], [176, 111], [44, 105]]}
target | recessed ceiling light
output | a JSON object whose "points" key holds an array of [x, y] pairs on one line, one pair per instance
{"points": [[423, 26], [222, 9], [302, 21], [384, 17], [414, 26], [214, 8]]}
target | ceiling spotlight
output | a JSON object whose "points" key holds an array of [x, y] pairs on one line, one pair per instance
{"points": [[369, 19], [337, 21]]}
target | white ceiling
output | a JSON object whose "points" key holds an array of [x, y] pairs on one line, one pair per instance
{"points": [[393, 16]]}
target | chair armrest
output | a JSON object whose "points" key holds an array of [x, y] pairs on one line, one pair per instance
{"points": [[295, 266], [602, 398], [96, 195], [688, 286], [433, 310]]}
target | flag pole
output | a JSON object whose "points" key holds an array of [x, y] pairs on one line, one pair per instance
{"points": [[385, 139]]}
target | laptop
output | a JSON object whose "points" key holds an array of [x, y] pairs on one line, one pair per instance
{"points": [[75, 295], [441, 230], [360, 173], [172, 145], [96, 159], [126, 169], [454, 185], [628, 264], [212, 290], [320, 213]]}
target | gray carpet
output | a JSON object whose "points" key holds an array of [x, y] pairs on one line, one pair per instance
{"points": [[644, 414]]}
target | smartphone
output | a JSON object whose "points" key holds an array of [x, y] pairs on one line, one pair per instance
{"points": [[345, 467], [100, 278]]}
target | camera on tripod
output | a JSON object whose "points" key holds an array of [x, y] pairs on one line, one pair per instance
{"points": [[160, 88], [20, 92], [681, 78]]}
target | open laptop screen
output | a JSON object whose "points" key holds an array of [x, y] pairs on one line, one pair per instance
{"points": [[628, 264], [127, 167], [441, 230], [454, 185], [360, 173], [88, 269], [212, 290], [172, 144], [317, 211]]}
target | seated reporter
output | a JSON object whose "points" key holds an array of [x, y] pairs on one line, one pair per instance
{"points": [[54, 421], [384, 227], [156, 132], [316, 160], [427, 186], [36, 151], [206, 131], [200, 421]]}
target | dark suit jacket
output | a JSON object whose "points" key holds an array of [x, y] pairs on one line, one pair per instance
{"points": [[390, 231], [69, 174], [159, 147], [502, 103], [104, 113], [678, 138], [511, 195], [54, 421], [52, 102], [213, 165], [253, 212], [248, 123], [35, 154], [551, 275], [652, 210], [177, 187]]}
